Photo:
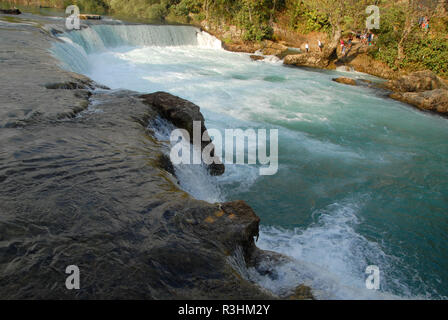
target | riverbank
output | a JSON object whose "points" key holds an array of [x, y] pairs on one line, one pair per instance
{"points": [[422, 89], [85, 182]]}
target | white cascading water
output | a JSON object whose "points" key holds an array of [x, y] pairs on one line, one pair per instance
{"points": [[206, 40]]}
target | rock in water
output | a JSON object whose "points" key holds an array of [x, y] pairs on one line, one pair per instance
{"points": [[255, 57], [345, 80], [313, 60], [432, 100], [416, 82], [182, 114]]}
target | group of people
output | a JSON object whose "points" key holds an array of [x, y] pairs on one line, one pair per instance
{"points": [[424, 23], [320, 45], [366, 38]]}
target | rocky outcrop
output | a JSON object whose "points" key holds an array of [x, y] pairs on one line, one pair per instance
{"points": [[422, 89], [431, 100], [345, 80], [313, 60], [182, 114], [416, 82]]}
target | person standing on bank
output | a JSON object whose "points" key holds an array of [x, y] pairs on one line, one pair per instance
{"points": [[307, 47]]}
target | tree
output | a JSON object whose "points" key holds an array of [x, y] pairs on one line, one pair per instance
{"points": [[336, 11]]}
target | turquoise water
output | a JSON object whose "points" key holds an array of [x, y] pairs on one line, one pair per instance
{"points": [[362, 179]]}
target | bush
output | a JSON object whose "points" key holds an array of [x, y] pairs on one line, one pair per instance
{"points": [[423, 52], [185, 7], [305, 20], [258, 33]]}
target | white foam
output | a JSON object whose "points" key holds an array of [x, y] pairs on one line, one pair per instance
{"points": [[330, 256], [206, 40]]}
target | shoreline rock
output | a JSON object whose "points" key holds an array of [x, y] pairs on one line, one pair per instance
{"points": [[255, 57], [416, 82], [182, 114], [14, 11]]}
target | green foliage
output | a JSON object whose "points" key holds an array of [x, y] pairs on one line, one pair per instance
{"points": [[148, 9], [424, 52], [90, 6], [257, 17], [253, 17], [388, 36], [258, 33], [185, 7]]}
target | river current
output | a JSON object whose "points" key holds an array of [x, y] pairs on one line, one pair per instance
{"points": [[362, 179]]}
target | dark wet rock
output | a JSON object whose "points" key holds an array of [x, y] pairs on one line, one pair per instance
{"points": [[265, 262], [14, 11], [182, 114], [247, 228], [255, 57], [431, 100], [249, 47], [69, 85], [416, 82], [422, 89], [345, 80], [302, 292], [166, 164]]}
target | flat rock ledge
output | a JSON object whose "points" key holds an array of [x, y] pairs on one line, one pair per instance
{"points": [[421, 89], [431, 100]]}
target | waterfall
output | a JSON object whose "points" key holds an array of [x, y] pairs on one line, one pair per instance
{"points": [[206, 40], [77, 45]]}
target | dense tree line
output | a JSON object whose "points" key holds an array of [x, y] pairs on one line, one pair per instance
{"points": [[401, 42]]}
